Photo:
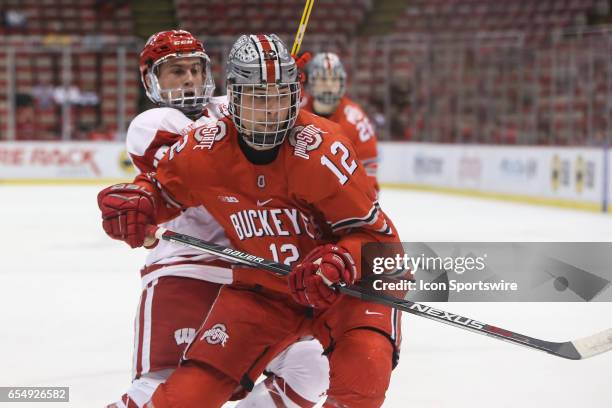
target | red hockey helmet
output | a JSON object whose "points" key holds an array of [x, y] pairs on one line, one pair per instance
{"points": [[163, 46]]}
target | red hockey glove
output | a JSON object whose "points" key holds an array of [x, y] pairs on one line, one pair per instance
{"points": [[127, 209], [300, 61], [311, 282]]}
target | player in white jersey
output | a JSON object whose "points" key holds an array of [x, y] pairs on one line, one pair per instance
{"points": [[179, 284]]}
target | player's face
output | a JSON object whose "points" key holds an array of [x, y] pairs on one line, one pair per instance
{"points": [[326, 84], [265, 109], [181, 73]]}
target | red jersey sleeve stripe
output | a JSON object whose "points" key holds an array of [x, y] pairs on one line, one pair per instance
{"points": [[369, 218]]}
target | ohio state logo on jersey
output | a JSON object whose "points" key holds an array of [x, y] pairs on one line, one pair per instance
{"points": [[276, 222], [353, 114], [305, 139], [216, 335], [223, 109], [208, 134]]}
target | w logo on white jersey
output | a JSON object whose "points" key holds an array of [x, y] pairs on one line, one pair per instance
{"points": [[184, 335]]}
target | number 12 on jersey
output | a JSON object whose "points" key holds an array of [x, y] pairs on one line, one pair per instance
{"points": [[349, 167], [290, 249]]}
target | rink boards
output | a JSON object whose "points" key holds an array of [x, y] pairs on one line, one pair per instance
{"points": [[60, 162], [562, 176]]}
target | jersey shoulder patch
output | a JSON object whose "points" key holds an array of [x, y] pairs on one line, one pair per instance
{"points": [[351, 111], [305, 138], [321, 160], [310, 133], [208, 134]]}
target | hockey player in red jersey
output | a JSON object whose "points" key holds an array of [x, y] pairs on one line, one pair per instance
{"points": [[283, 184], [180, 284], [326, 96]]}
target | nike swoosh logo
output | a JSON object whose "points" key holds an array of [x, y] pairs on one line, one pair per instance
{"points": [[262, 203], [372, 313]]}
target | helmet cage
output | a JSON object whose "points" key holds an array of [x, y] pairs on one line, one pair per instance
{"points": [[327, 97], [263, 89], [186, 99], [271, 131]]}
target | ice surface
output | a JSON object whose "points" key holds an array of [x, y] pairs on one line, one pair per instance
{"points": [[68, 295]]}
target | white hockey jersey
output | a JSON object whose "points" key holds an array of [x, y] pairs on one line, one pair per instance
{"points": [[149, 136]]}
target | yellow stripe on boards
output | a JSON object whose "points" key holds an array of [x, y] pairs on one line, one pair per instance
{"points": [[554, 202]]}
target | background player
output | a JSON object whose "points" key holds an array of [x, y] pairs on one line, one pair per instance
{"points": [[180, 284], [293, 186], [326, 96]]}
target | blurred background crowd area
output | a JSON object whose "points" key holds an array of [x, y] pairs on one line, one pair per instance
{"points": [[444, 71]]}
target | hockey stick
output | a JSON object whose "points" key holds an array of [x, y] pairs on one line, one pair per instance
{"points": [[573, 350], [299, 36]]}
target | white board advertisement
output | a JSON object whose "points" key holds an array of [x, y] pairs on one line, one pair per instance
{"points": [[565, 173], [64, 161]]}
